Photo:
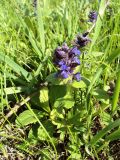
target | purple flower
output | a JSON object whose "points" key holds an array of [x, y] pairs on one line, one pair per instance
{"points": [[60, 54], [64, 74], [74, 51], [75, 62], [66, 60], [81, 41], [92, 16], [65, 67], [60, 63], [77, 76]]}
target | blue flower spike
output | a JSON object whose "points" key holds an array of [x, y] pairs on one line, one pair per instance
{"points": [[66, 60]]}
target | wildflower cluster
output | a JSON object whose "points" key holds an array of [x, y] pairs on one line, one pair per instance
{"points": [[67, 59]]}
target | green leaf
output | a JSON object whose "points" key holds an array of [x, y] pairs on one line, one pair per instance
{"points": [[116, 93], [113, 56], [75, 119], [29, 23], [3, 150], [49, 128], [64, 102], [104, 131], [98, 23], [45, 154], [25, 147], [105, 118], [57, 117], [95, 78], [41, 26], [74, 151], [74, 156], [56, 92], [96, 54], [63, 97], [101, 95], [34, 43], [44, 99], [32, 135], [30, 36], [85, 80], [62, 135], [16, 78], [101, 68], [13, 90], [80, 84], [113, 136], [52, 78], [27, 117], [15, 67]]}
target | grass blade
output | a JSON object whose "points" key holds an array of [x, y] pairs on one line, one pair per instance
{"points": [[51, 140], [116, 93], [112, 57], [113, 136], [95, 78], [98, 23], [31, 37], [17, 68], [101, 133], [41, 26], [12, 90]]}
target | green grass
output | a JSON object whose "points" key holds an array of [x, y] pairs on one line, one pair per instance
{"points": [[42, 117]]}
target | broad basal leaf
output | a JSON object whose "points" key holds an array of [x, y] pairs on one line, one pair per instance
{"points": [[66, 101], [27, 117], [56, 92], [57, 117], [49, 128], [44, 99]]}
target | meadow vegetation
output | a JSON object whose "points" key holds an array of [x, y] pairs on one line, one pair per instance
{"points": [[43, 116]]}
